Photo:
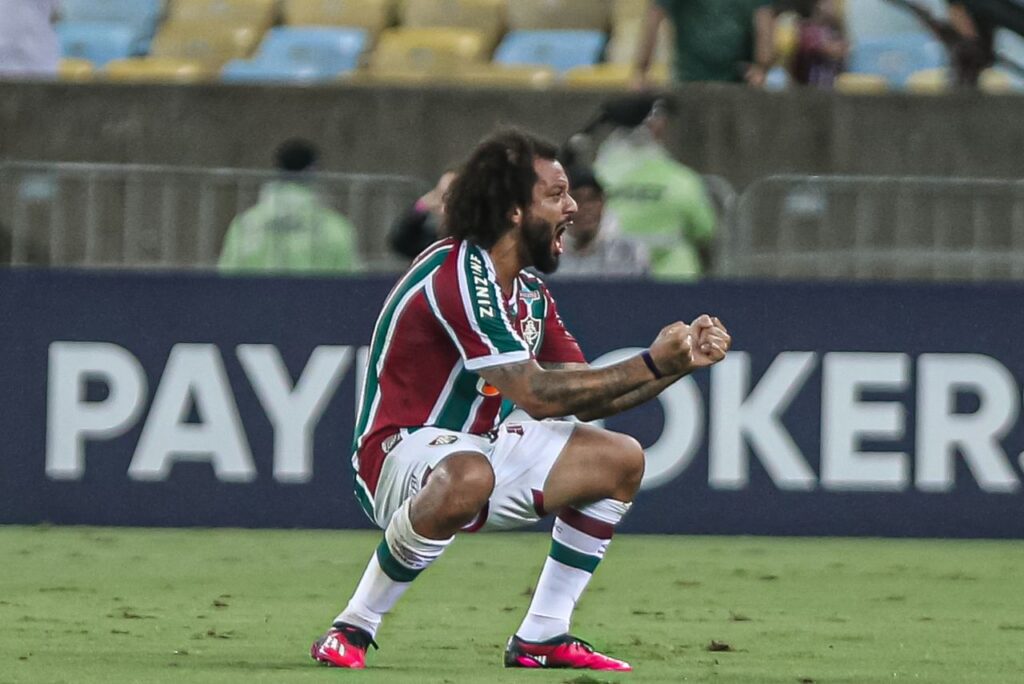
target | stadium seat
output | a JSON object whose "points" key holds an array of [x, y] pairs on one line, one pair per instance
{"points": [[486, 16], [426, 51], [500, 76], [897, 56], [98, 42], [929, 81], [301, 53], [610, 76], [158, 69], [997, 81], [861, 84], [259, 13], [75, 69], [212, 44], [372, 15], [140, 16], [622, 46], [560, 50], [547, 15]]}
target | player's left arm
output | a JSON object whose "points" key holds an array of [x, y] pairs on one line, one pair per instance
{"points": [[711, 343]]}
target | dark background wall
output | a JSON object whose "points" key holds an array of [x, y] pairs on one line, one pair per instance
{"points": [[726, 130]]}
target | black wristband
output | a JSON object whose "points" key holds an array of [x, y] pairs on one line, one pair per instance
{"points": [[646, 356]]}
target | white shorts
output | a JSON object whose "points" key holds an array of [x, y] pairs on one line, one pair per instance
{"points": [[521, 455]]}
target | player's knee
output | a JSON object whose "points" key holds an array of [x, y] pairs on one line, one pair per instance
{"points": [[631, 462], [469, 479]]}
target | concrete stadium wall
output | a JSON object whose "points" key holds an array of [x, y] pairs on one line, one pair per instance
{"points": [[725, 130]]}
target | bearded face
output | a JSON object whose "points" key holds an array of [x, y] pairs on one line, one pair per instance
{"points": [[542, 243]]}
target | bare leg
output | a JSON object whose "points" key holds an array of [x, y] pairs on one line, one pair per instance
{"points": [[455, 492]]}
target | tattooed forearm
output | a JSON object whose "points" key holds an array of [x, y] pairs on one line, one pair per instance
{"points": [[566, 392], [628, 400]]}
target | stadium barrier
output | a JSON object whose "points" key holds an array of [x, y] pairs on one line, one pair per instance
{"points": [[68, 214], [176, 399], [875, 227]]}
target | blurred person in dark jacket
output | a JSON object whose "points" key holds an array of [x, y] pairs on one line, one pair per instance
{"points": [[423, 224], [822, 47]]}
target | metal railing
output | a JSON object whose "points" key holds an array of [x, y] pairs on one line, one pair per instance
{"points": [[877, 228], [161, 216]]}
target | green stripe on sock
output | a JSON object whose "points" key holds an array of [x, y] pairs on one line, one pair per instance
{"points": [[391, 567], [573, 558]]}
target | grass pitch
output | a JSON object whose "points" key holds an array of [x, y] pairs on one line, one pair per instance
{"points": [[127, 605]]}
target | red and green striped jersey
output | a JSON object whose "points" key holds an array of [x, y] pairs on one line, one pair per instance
{"points": [[444, 320]]}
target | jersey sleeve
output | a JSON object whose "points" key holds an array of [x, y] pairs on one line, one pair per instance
{"points": [[465, 297], [559, 346]]}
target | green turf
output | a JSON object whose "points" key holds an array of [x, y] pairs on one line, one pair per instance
{"points": [[124, 605]]}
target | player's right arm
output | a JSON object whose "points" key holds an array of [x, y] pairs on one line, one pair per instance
{"points": [[564, 392]]}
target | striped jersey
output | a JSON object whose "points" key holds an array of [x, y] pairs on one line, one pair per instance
{"points": [[445, 320]]}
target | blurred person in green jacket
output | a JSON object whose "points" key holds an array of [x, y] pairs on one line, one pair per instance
{"points": [[727, 41], [658, 201], [290, 229]]}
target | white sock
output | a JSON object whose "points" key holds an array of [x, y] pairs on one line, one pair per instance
{"points": [[579, 540], [401, 556]]}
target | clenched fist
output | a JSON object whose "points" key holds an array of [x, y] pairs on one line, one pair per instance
{"points": [[709, 341], [681, 348]]}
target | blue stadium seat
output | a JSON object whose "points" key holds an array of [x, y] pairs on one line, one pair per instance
{"points": [[303, 54], [897, 56], [560, 50], [141, 16], [97, 42]]}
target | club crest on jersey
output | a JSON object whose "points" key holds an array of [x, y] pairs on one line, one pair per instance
{"points": [[530, 327], [444, 440]]}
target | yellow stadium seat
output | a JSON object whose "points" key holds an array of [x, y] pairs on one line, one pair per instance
{"points": [[861, 84], [427, 50], [610, 76], [503, 76], [996, 82], [158, 69], [72, 69], [626, 37], [212, 44], [486, 16], [929, 81], [261, 13], [372, 15], [558, 14]]}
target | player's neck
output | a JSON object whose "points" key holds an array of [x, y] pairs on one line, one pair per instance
{"points": [[505, 255]]}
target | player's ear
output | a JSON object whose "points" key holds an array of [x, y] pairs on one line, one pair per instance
{"points": [[516, 217]]}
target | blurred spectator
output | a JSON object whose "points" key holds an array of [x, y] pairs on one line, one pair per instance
{"points": [[821, 47], [590, 249], [972, 51], [968, 34], [423, 224], [656, 200], [28, 41], [716, 40], [290, 229]]}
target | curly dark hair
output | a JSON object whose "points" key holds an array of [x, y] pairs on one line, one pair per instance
{"points": [[497, 178]]}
